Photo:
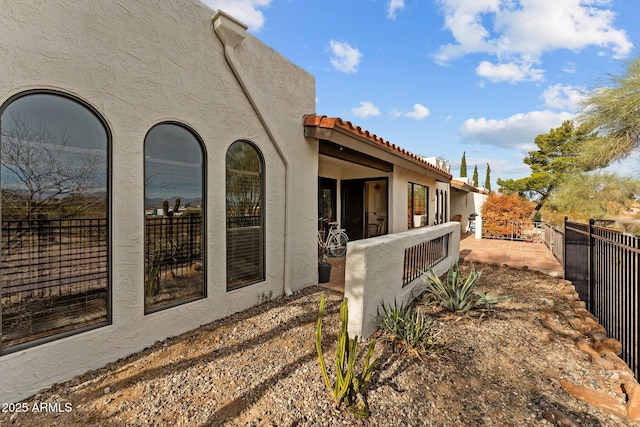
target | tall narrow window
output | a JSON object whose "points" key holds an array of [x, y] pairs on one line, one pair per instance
{"points": [[418, 209], [174, 217], [55, 227], [245, 215]]}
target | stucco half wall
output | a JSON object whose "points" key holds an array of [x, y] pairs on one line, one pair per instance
{"points": [[374, 272], [140, 63]]}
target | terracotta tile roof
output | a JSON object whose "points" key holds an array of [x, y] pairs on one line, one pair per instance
{"points": [[338, 123], [464, 186]]}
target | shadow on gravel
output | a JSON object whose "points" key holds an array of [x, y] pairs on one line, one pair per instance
{"points": [[309, 316]]}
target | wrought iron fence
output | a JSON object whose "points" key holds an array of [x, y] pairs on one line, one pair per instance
{"points": [[54, 277], [507, 229], [554, 239], [423, 256], [603, 265]]}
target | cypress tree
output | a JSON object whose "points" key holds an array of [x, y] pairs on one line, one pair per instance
{"points": [[487, 180], [475, 176], [463, 165]]}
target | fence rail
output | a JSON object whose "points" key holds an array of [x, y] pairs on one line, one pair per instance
{"points": [[423, 256], [603, 265], [527, 231], [554, 239]]}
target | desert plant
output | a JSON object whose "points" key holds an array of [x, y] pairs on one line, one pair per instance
{"points": [[413, 328], [456, 294], [348, 387]]}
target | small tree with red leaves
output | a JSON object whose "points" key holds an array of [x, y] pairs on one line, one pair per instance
{"points": [[505, 215]]}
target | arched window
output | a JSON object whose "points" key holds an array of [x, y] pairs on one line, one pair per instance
{"points": [[245, 215], [55, 219], [174, 270]]}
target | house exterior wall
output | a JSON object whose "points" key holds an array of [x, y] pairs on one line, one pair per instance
{"points": [[139, 63]]}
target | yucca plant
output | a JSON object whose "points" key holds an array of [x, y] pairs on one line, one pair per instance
{"points": [[348, 387], [456, 294], [413, 328]]}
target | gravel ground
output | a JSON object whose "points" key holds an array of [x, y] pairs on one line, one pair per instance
{"points": [[260, 368]]}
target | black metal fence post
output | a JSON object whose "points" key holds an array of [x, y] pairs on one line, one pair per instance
{"points": [[591, 269]]}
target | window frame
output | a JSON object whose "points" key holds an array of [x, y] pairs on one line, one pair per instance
{"points": [[203, 237], [263, 186], [411, 203], [108, 212]]}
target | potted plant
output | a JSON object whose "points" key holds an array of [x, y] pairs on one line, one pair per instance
{"points": [[324, 268]]}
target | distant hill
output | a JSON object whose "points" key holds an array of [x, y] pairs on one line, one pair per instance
{"points": [[156, 203]]}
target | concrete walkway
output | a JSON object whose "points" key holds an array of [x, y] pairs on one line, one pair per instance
{"points": [[536, 256]]}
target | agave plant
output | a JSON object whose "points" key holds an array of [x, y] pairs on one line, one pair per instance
{"points": [[348, 387], [403, 323], [456, 294]]}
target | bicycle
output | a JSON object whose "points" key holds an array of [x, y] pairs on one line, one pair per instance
{"points": [[332, 239]]}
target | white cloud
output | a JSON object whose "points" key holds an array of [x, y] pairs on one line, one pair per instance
{"points": [[563, 97], [419, 112], [509, 72], [569, 68], [366, 109], [522, 31], [517, 131], [394, 6], [345, 58], [246, 11]]}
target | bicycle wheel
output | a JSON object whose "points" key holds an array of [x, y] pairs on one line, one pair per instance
{"points": [[338, 244]]}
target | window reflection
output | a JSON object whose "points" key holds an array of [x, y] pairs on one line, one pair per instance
{"points": [[418, 206], [55, 252], [245, 216], [174, 231]]}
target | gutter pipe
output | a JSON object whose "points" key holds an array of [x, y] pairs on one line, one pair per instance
{"points": [[231, 33]]}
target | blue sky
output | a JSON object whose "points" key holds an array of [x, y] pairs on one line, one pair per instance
{"points": [[443, 77]]}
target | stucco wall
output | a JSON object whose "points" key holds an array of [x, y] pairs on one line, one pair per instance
{"points": [[465, 204], [374, 270], [139, 63]]}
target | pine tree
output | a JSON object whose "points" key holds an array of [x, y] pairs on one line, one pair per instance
{"points": [[487, 180], [463, 165], [475, 176]]}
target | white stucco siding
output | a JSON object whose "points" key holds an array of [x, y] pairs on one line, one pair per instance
{"points": [[139, 63]]}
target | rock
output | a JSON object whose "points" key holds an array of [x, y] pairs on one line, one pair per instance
{"points": [[107, 390], [547, 302], [633, 400], [617, 362], [625, 376], [596, 398], [608, 345], [578, 304], [576, 323], [557, 418], [586, 347], [568, 286], [583, 312], [602, 362], [596, 336], [549, 323]]}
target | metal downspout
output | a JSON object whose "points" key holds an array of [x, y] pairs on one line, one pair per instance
{"points": [[231, 34]]}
